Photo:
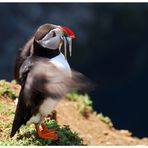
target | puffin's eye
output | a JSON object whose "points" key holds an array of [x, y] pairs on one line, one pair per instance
{"points": [[54, 34]]}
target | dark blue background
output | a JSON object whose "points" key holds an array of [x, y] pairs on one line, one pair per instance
{"points": [[111, 48]]}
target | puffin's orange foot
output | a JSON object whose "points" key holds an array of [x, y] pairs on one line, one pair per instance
{"points": [[50, 134]]}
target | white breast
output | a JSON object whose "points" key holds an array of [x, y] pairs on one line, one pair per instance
{"points": [[45, 109], [60, 62], [47, 106]]}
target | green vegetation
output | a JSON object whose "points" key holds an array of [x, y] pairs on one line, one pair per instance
{"points": [[84, 103], [66, 136], [6, 89], [105, 119]]}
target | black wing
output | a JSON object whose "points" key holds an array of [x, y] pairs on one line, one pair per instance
{"points": [[23, 53], [50, 81]]}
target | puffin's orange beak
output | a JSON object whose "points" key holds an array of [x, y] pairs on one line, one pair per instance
{"points": [[68, 31]]}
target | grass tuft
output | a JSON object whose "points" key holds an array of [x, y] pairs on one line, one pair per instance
{"points": [[6, 89], [84, 102], [66, 136], [105, 119]]}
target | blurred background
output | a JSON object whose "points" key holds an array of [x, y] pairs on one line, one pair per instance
{"points": [[110, 48]]}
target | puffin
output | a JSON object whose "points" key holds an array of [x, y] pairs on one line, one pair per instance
{"points": [[45, 76]]}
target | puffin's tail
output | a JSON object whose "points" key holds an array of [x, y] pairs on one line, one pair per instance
{"points": [[19, 115], [16, 122]]}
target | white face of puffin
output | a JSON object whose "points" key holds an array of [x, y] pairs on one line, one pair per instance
{"points": [[52, 39], [55, 39]]}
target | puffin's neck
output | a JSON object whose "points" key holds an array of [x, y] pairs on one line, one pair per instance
{"points": [[44, 52]]}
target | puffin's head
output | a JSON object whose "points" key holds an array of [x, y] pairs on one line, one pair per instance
{"points": [[53, 36]]}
